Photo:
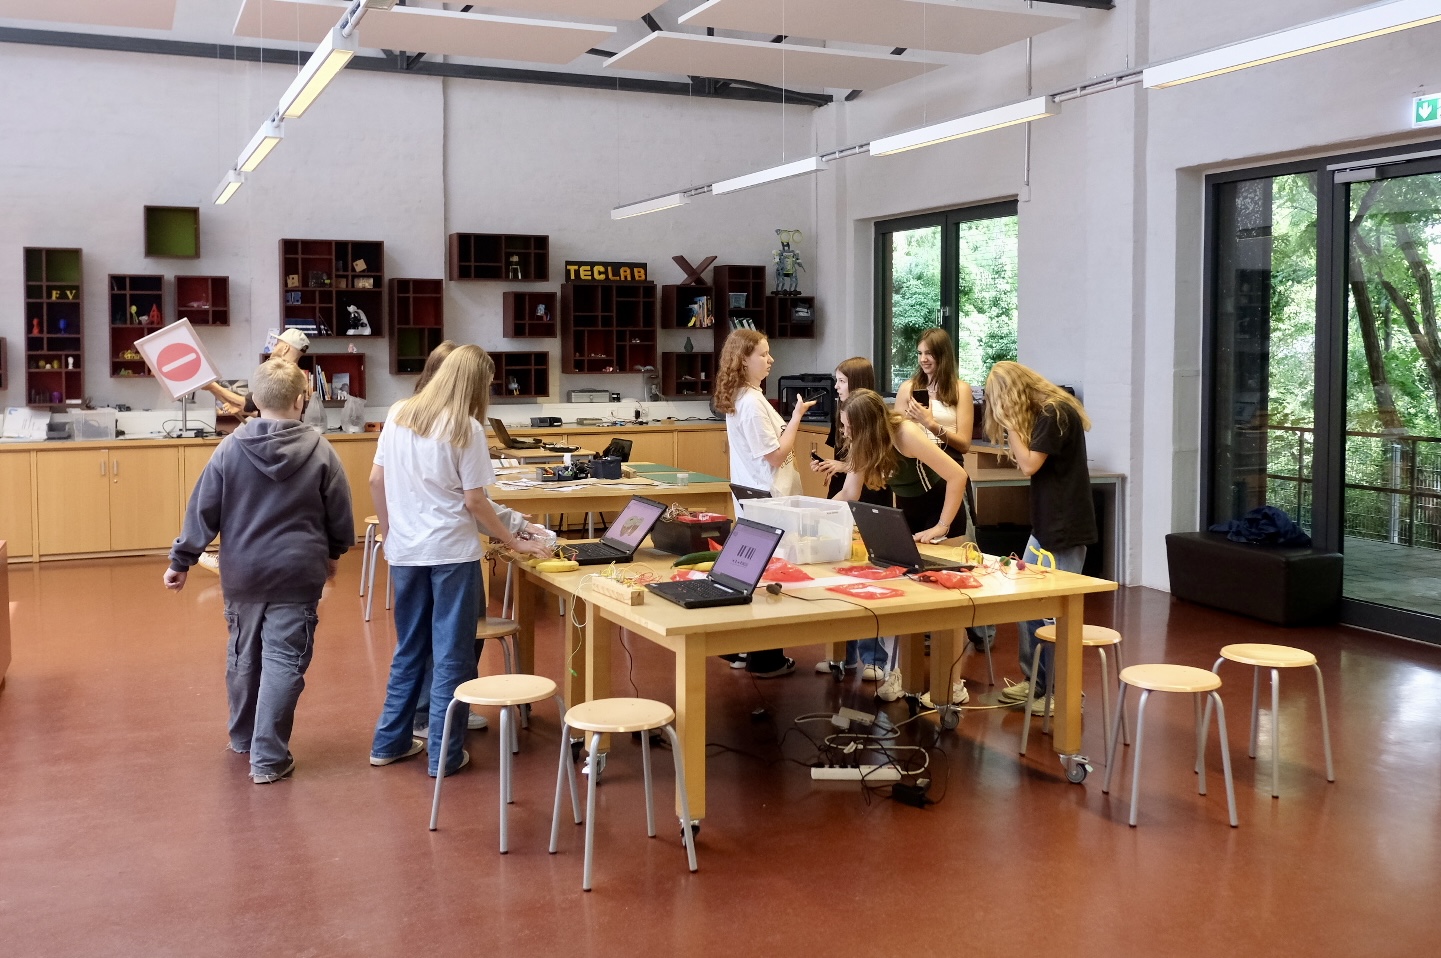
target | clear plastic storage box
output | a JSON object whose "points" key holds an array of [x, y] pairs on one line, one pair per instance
{"points": [[817, 530]]}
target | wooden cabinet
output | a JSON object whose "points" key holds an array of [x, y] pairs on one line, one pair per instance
{"points": [[193, 460], [15, 502], [645, 446], [357, 456], [813, 483], [107, 500], [145, 509], [703, 451]]}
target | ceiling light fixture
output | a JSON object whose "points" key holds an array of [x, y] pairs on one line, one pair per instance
{"points": [[810, 164], [232, 182], [1373, 21], [1022, 112], [265, 139], [669, 201], [328, 59]]}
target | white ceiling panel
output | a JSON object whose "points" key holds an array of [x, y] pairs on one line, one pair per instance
{"points": [[775, 64], [417, 29], [605, 9], [950, 26], [146, 14]]}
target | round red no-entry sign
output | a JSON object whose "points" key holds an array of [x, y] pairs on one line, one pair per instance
{"points": [[178, 362]]}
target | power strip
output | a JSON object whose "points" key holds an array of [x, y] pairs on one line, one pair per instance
{"points": [[622, 593], [871, 774]]}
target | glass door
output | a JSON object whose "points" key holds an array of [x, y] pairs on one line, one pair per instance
{"points": [[909, 300]]}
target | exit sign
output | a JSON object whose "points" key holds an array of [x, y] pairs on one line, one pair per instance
{"points": [[1426, 110]]}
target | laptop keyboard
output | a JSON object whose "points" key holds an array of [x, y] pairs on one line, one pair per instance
{"points": [[697, 589], [592, 550]]}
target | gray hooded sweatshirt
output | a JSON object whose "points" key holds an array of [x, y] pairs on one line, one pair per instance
{"points": [[277, 495]]}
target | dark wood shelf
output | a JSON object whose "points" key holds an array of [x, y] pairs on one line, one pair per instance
{"points": [[4, 364], [417, 322], [318, 285], [204, 300], [172, 232], [137, 309], [747, 281], [54, 337], [687, 375], [791, 317], [521, 375], [513, 257], [608, 327], [351, 364], [680, 309], [531, 315]]}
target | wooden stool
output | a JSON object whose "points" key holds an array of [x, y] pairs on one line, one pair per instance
{"points": [[368, 562], [372, 528], [508, 692], [1275, 658], [507, 633], [1172, 678], [617, 716], [1092, 637]]}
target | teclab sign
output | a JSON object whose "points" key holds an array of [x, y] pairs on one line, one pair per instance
{"points": [[589, 271]]}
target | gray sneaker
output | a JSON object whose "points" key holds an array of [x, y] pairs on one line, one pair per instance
{"points": [[416, 744], [1015, 693], [265, 778]]}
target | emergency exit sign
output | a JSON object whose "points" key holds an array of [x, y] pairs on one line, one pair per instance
{"points": [[1426, 110]]}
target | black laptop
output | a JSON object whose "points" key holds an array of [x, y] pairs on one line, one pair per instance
{"points": [[739, 567], [508, 441], [746, 492], [888, 540], [624, 536]]}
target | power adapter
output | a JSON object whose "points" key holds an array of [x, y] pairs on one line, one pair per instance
{"points": [[913, 795]]}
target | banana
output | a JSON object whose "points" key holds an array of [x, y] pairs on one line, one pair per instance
{"points": [[557, 565]]}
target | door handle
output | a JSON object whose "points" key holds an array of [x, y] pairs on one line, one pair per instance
{"points": [[116, 470], [102, 467]]}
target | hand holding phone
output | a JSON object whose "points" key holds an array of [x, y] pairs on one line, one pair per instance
{"points": [[921, 397], [816, 456]]}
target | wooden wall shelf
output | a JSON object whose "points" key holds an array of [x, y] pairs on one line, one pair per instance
{"points": [[319, 281], [521, 375], [747, 281], [350, 364], [687, 375], [204, 300], [790, 317], [172, 231], [137, 309], [417, 322], [513, 257], [531, 315], [608, 327], [680, 309], [54, 338]]}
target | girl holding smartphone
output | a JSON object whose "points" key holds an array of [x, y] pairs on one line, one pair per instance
{"points": [[940, 402]]}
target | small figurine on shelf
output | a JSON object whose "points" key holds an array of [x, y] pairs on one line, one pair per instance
{"points": [[513, 386], [515, 266], [359, 324], [134, 319], [788, 261], [689, 346], [69, 362], [542, 313], [155, 317], [35, 326], [62, 326]]}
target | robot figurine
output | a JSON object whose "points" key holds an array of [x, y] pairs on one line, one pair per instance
{"points": [[359, 324], [788, 261]]}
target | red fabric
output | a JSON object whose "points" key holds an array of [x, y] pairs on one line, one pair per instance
{"points": [[864, 590], [871, 572], [779, 570], [684, 574], [950, 579]]}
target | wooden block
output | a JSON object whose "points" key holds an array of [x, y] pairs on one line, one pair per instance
{"points": [[625, 594]]}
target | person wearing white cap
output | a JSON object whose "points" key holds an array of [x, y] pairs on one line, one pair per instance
{"points": [[290, 345]]}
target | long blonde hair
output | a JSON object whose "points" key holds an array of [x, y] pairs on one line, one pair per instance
{"points": [[871, 437], [432, 363], [459, 393], [1018, 394], [938, 343], [730, 378]]}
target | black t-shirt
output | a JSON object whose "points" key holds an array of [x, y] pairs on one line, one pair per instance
{"points": [[876, 497], [1062, 514]]}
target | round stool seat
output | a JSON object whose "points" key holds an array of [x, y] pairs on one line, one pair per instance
{"points": [[1268, 656], [372, 520], [496, 628], [505, 689], [1091, 635], [621, 715], [1160, 677]]}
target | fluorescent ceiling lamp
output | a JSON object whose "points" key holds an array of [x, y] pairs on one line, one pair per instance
{"points": [[1026, 110], [328, 59], [667, 202], [810, 164], [228, 186], [1373, 21], [265, 139]]}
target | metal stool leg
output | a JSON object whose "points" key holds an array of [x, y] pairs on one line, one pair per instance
{"points": [[569, 766], [504, 780], [1026, 723], [1325, 725], [1136, 759], [505, 609], [590, 815], [514, 731], [1115, 730], [440, 770], [1225, 755], [687, 833], [365, 556], [1201, 730], [590, 525], [1120, 667], [1275, 733], [649, 791], [1206, 720], [560, 776], [1105, 703], [1255, 708], [370, 586]]}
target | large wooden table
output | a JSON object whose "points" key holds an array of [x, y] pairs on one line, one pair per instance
{"points": [[811, 616], [696, 496]]}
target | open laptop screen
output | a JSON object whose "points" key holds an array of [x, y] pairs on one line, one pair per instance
{"points": [[633, 523], [748, 548]]}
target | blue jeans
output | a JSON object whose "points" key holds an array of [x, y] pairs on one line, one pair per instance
{"points": [[1067, 560], [864, 652], [437, 609]]}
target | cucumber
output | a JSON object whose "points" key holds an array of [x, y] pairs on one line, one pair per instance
{"points": [[695, 558]]}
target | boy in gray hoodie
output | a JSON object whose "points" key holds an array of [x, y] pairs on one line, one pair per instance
{"points": [[276, 494]]}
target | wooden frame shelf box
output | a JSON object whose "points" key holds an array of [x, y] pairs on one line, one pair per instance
{"points": [[531, 315], [204, 300], [608, 327], [321, 279], [54, 335], [172, 231], [528, 372], [790, 317], [350, 365], [513, 257], [749, 281], [687, 375], [137, 309], [417, 322], [676, 304]]}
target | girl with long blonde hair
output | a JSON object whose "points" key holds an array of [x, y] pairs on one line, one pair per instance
{"points": [[428, 483], [1043, 428]]}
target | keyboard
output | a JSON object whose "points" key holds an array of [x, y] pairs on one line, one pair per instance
{"points": [[592, 552], [698, 593]]}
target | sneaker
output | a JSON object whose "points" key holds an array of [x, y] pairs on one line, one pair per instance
{"points": [[416, 745], [1016, 693], [825, 665], [891, 689], [874, 673], [959, 696], [786, 668], [476, 721], [1039, 705], [265, 778], [736, 659], [232, 747], [209, 561], [464, 761]]}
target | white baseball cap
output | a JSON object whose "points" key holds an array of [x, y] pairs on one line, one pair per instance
{"points": [[296, 339]]}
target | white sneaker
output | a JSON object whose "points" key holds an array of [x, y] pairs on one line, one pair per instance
{"points": [[891, 689], [476, 721], [825, 665], [209, 561], [959, 696], [873, 673], [1015, 693]]}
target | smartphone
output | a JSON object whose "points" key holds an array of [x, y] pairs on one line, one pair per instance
{"points": [[816, 456], [921, 396]]}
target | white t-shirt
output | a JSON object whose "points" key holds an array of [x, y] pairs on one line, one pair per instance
{"points": [[425, 483], [754, 430]]}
